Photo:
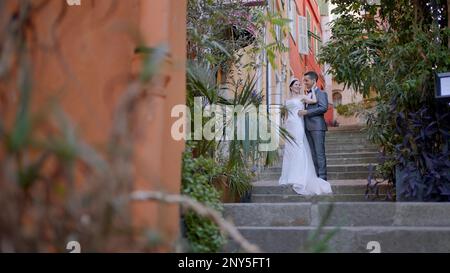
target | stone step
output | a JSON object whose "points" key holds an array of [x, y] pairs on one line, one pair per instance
{"points": [[356, 160], [331, 168], [330, 175], [352, 134], [287, 198], [331, 143], [349, 143], [347, 139], [355, 127], [342, 214], [349, 239], [337, 189], [276, 214], [345, 129], [344, 147], [347, 175], [349, 150], [342, 132], [352, 155], [347, 135], [339, 161]]}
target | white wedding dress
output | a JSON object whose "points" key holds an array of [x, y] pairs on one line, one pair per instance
{"points": [[298, 166]]}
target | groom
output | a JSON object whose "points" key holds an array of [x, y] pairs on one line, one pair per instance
{"points": [[315, 123]]}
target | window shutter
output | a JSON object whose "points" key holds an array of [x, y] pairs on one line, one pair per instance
{"points": [[317, 42], [292, 13], [303, 36]]}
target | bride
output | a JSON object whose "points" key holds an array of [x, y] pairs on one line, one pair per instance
{"points": [[298, 166]]}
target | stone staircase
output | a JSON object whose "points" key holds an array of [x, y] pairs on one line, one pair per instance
{"points": [[279, 220], [395, 227], [348, 155]]}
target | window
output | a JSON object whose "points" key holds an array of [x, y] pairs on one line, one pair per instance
{"points": [[279, 88], [269, 72], [278, 32], [308, 19], [308, 27], [337, 99], [316, 42], [302, 36], [292, 15]]}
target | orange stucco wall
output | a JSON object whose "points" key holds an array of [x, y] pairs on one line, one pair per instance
{"points": [[96, 60], [302, 63]]}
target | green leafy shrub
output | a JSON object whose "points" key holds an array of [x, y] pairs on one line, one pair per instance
{"points": [[392, 52], [239, 180], [355, 109], [203, 235], [344, 110]]}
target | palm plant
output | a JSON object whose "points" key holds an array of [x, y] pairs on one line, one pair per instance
{"points": [[238, 153]]}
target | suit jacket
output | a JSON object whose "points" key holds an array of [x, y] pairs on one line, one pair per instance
{"points": [[314, 119]]}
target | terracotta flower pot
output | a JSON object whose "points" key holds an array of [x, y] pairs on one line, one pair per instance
{"points": [[227, 196]]}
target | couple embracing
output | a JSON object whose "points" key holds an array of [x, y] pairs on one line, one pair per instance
{"points": [[304, 162]]}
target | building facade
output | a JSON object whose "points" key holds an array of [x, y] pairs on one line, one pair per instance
{"points": [[305, 39]]}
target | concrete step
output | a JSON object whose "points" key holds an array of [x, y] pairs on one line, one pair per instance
{"points": [[349, 239], [360, 143], [356, 160], [346, 135], [276, 214], [347, 138], [355, 127], [347, 175], [330, 175], [344, 140], [342, 134], [350, 147], [345, 132], [352, 155], [331, 168], [342, 214], [342, 161], [347, 150], [287, 198], [337, 189], [330, 143]]}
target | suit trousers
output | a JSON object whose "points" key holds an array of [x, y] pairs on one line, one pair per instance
{"points": [[316, 141]]}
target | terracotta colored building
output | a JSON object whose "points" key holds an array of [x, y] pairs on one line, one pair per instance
{"points": [[305, 40], [303, 37], [83, 56]]}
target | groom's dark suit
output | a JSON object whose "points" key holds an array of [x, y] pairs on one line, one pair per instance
{"points": [[315, 131]]}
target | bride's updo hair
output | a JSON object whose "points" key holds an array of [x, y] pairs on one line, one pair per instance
{"points": [[292, 83]]}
